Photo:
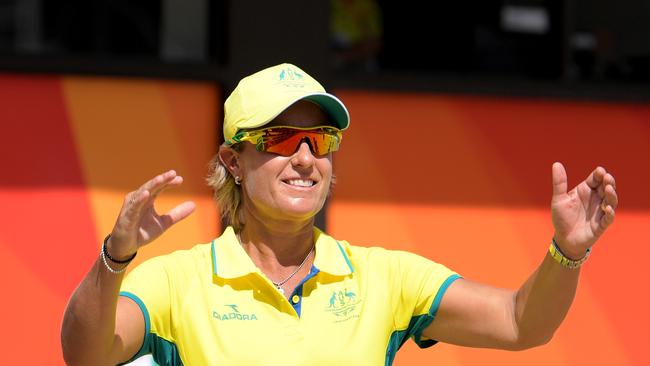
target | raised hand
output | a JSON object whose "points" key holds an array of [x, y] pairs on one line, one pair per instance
{"points": [[582, 215], [138, 222]]}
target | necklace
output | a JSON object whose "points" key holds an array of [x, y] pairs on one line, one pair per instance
{"points": [[278, 285]]}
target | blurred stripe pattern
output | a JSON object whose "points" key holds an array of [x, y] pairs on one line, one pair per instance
{"points": [[462, 180], [72, 147], [466, 181]]}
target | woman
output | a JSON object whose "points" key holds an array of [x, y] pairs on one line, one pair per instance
{"points": [[273, 289]]}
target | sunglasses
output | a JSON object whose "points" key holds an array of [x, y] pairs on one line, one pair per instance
{"points": [[285, 140]]}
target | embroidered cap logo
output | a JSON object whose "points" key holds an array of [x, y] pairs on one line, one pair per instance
{"points": [[291, 78]]}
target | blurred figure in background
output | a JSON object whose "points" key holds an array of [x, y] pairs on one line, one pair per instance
{"points": [[356, 34]]}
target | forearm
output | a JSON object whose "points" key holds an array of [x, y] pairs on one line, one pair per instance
{"points": [[88, 329], [543, 301]]}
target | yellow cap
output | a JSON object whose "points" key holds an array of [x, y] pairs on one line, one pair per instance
{"points": [[262, 96]]}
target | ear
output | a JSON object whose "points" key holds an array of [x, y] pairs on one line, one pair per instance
{"points": [[230, 159]]}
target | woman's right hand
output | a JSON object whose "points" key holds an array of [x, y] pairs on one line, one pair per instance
{"points": [[138, 222]]}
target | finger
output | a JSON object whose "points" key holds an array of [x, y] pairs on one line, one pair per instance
{"points": [[157, 185], [177, 214], [146, 200], [611, 197], [559, 179], [607, 218], [175, 182], [596, 177], [601, 188], [608, 179], [158, 182]]}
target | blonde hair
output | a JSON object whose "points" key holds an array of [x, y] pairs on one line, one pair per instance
{"points": [[227, 194]]}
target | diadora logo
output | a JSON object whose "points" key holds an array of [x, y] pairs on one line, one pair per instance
{"points": [[343, 303], [292, 77], [232, 313]]}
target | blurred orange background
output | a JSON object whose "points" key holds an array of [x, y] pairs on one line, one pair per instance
{"points": [[462, 180]]}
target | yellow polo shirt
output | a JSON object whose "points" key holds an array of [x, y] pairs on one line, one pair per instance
{"points": [[211, 305]]}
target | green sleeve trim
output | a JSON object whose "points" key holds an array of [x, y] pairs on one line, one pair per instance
{"points": [[164, 352], [417, 325], [398, 338], [421, 326], [146, 341], [347, 260]]}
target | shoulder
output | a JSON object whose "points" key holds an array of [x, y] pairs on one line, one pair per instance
{"points": [[378, 255], [393, 263], [199, 252], [177, 263]]}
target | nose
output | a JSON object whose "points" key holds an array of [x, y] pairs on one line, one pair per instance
{"points": [[303, 155]]}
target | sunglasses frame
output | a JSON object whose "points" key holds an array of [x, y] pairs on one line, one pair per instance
{"points": [[256, 137]]}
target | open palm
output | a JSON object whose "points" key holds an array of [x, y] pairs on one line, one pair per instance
{"points": [[582, 215], [138, 222]]}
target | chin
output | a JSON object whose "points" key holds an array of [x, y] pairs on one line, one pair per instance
{"points": [[301, 208]]}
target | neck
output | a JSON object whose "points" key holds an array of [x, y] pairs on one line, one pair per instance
{"points": [[276, 247]]}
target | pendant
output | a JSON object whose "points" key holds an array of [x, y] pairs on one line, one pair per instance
{"points": [[280, 289]]}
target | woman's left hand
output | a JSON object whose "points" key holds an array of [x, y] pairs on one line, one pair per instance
{"points": [[582, 215]]}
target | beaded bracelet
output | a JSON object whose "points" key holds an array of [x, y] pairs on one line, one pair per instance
{"points": [[559, 257], [104, 254], [114, 271], [128, 260]]}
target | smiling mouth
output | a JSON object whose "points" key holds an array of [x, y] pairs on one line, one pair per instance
{"points": [[300, 182]]}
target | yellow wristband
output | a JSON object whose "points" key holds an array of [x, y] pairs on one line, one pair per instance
{"points": [[559, 257]]}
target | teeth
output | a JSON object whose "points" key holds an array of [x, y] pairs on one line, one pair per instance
{"points": [[301, 183]]}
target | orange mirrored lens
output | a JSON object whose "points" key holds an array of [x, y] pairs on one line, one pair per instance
{"points": [[286, 141]]}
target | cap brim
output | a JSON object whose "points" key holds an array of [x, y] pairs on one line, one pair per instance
{"points": [[333, 106]]}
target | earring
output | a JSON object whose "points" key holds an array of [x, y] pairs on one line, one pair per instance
{"points": [[237, 180]]}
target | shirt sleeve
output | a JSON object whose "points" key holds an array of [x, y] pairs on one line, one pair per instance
{"points": [[420, 284], [150, 286]]}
